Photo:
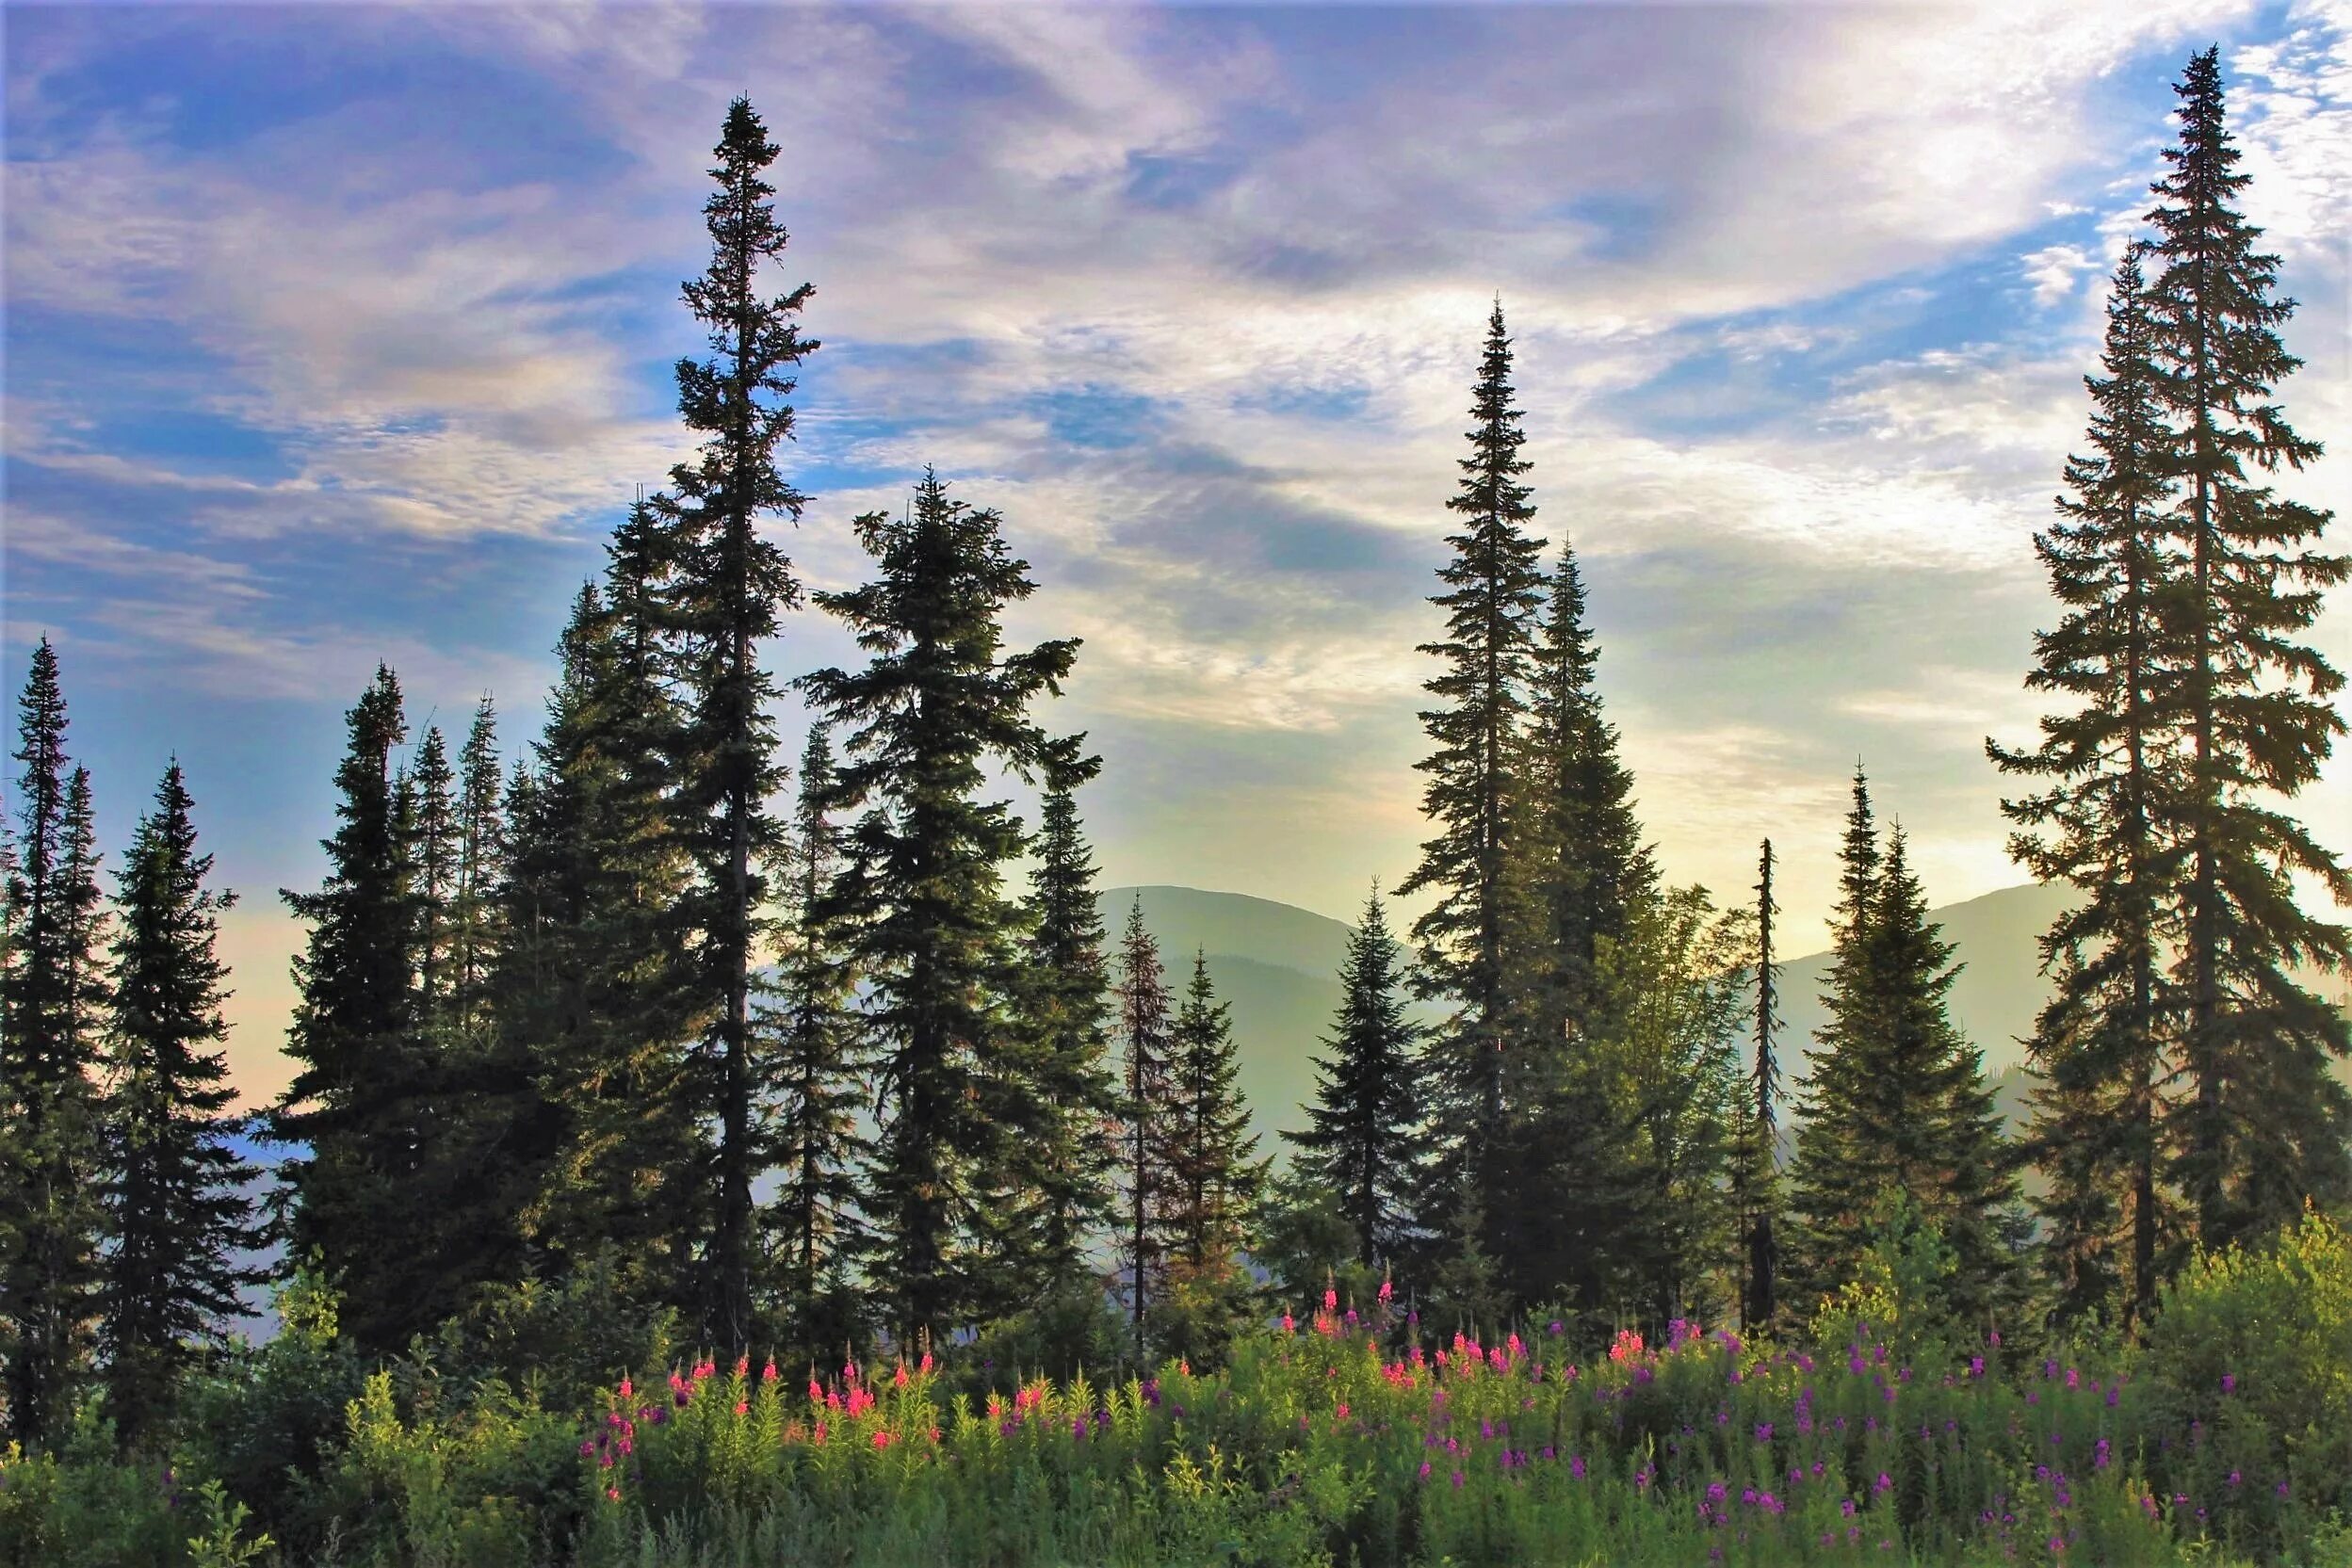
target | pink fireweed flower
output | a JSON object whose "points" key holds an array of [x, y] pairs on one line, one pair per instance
{"points": [[1388, 1292], [820, 1431], [924, 1365], [898, 1378], [628, 1389], [768, 1373], [1289, 1324], [1424, 1469], [1331, 1301], [1343, 1413], [1627, 1347], [742, 1367], [882, 1437], [816, 1392], [612, 1494], [742, 1407]]}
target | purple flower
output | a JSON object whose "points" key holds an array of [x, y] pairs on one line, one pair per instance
{"points": [[2229, 1382]]}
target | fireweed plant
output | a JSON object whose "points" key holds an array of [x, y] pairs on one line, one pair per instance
{"points": [[1346, 1438]]}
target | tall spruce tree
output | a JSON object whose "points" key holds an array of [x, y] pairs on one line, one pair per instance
{"points": [[599, 1008], [1470, 935], [435, 848], [474, 928], [1144, 1033], [49, 1095], [2100, 1047], [1760, 1155], [1589, 864], [2264, 1125], [1579, 857], [1068, 1170], [814, 1232], [1897, 1110], [1215, 1175], [727, 592], [936, 939], [367, 1090], [176, 1190], [1363, 1136]]}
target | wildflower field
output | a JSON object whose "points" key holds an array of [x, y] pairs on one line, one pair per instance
{"points": [[1346, 1437]]}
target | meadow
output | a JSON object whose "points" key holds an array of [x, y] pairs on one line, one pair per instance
{"points": [[1346, 1432]]}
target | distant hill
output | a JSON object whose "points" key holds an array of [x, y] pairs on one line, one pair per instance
{"points": [[1275, 966], [1999, 990]]}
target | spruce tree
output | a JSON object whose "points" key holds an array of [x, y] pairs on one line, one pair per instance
{"points": [[49, 1096], [936, 939], [2263, 1128], [1584, 867], [435, 848], [813, 1230], [1760, 1154], [1143, 1034], [729, 587], [367, 1093], [175, 1188], [2098, 1049], [1589, 863], [474, 931], [599, 1009], [1364, 1130], [1469, 936], [1215, 1175], [1067, 1169], [1898, 1111]]}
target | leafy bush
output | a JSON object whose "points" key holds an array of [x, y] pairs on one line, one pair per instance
{"points": [[265, 1422], [2249, 1363]]}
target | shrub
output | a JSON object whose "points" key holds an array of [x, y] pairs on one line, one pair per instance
{"points": [[2249, 1361]]}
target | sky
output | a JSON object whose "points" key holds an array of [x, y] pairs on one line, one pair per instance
{"points": [[338, 334]]}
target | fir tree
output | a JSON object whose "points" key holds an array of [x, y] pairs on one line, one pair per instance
{"points": [[435, 848], [2264, 1125], [2100, 1047], [1143, 1034], [1469, 936], [811, 1223], [1897, 1110], [1364, 1130], [367, 1090], [176, 1191], [1760, 1154], [923, 884], [729, 587], [598, 1011], [1214, 1174], [1584, 868], [49, 1095], [1068, 1167], [473, 932], [1591, 866]]}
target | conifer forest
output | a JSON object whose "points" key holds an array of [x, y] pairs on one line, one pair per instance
{"points": [[709, 1141]]}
